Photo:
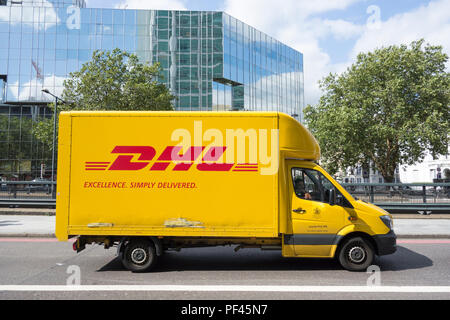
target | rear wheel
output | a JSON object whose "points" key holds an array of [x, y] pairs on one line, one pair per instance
{"points": [[139, 256], [356, 254]]}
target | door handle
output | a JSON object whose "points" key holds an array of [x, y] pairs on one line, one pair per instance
{"points": [[299, 210]]}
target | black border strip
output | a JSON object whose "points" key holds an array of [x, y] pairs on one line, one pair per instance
{"points": [[311, 239]]}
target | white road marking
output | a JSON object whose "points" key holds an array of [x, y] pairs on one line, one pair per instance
{"points": [[230, 288]]}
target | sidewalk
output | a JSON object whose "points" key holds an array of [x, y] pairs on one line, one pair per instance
{"points": [[27, 211], [27, 226], [44, 226]]}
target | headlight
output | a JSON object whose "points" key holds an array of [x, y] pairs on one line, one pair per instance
{"points": [[387, 220]]}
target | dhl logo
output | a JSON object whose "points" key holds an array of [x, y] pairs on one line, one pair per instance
{"points": [[171, 155]]}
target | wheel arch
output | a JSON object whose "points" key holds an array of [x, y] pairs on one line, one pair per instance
{"points": [[355, 234], [156, 242]]}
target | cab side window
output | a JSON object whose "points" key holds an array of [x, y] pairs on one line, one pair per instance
{"points": [[303, 185], [312, 185]]}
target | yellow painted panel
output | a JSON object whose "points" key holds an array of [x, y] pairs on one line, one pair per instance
{"points": [[319, 251], [303, 251], [63, 177], [169, 202]]}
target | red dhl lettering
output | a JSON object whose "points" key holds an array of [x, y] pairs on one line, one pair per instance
{"points": [[170, 155]]}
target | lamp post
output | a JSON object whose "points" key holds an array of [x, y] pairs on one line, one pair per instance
{"points": [[54, 138]]}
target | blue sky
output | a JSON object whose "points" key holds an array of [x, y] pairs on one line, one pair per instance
{"points": [[329, 33]]}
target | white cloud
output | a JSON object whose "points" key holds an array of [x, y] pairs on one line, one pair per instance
{"points": [[295, 23], [152, 4], [269, 13], [300, 24], [31, 91], [26, 14], [431, 22], [343, 30]]}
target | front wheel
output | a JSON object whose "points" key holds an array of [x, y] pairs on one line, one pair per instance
{"points": [[356, 254], [139, 256]]}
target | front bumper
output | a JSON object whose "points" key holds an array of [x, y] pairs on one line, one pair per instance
{"points": [[386, 243]]}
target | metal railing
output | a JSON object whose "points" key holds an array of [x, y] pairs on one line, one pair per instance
{"points": [[27, 193], [394, 197], [404, 197]]}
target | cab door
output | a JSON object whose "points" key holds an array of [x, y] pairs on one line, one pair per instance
{"points": [[315, 223]]}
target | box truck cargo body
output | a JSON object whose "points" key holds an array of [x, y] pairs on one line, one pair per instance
{"points": [[148, 182]]}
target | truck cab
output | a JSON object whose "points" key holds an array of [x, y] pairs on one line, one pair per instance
{"points": [[327, 222]]}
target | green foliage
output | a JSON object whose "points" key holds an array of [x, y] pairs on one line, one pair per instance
{"points": [[389, 108], [447, 173], [111, 81], [43, 131], [14, 129], [15, 142], [116, 81]]}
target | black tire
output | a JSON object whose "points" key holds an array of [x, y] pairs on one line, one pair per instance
{"points": [[139, 256], [356, 254]]}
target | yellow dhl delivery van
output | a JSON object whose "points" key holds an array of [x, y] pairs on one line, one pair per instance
{"points": [[148, 182]]}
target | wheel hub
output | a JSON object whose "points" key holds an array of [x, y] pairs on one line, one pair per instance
{"points": [[357, 254], [138, 256]]}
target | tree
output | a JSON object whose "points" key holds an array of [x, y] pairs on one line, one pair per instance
{"points": [[15, 143], [111, 81], [389, 108], [447, 173]]}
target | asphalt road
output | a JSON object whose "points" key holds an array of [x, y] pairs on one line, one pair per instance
{"points": [[27, 262]]}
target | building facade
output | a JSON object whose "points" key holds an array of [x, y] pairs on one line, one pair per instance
{"points": [[359, 174], [210, 61], [428, 171]]}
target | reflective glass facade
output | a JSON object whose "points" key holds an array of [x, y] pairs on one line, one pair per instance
{"points": [[21, 155], [210, 60]]}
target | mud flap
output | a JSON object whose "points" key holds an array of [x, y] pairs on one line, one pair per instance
{"points": [[79, 245]]}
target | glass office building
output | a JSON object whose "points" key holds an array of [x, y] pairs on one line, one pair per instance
{"points": [[211, 61]]}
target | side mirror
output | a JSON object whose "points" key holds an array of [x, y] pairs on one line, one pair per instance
{"points": [[339, 200], [332, 197]]}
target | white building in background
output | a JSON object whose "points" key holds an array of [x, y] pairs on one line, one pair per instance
{"points": [[360, 175], [426, 171]]}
